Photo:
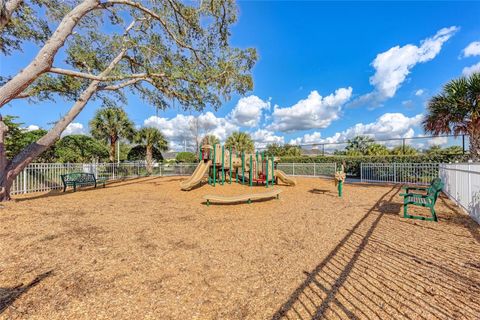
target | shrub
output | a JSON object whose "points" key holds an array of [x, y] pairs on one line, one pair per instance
{"points": [[187, 157], [353, 163]]}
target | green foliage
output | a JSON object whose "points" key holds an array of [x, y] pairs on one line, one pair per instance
{"points": [[240, 142], [210, 139], [404, 150], [286, 150], [449, 150], [186, 157], [358, 145], [18, 138], [457, 110], [139, 153], [80, 148], [109, 124], [376, 149], [151, 137], [353, 163]]}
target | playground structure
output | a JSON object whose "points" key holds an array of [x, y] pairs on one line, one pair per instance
{"points": [[224, 165]]}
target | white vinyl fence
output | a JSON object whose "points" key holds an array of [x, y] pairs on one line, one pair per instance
{"points": [[411, 173], [39, 177], [308, 169], [462, 185]]}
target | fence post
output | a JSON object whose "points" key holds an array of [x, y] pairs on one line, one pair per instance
{"points": [[314, 171], [394, 172], [361, 170], [293, 169], [24, 171]]}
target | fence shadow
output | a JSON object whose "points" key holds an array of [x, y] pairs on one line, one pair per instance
{"points": [[9, 295], [384, 269]]}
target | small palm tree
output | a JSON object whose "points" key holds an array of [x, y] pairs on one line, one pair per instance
{"points": [[358, 145], [151, 138], [240, 142], [110, 124], [210, 139], [457, 110]]}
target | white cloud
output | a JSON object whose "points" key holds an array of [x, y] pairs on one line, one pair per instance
{"points": [[387, 126], [262, 137], [32, 127], [419, 92], [314, 112], [467, 71], [73, 128], [394, 65], [248, 111], [178, 130], [473, 49]]}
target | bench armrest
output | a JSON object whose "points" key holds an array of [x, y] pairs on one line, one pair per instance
{"points": [[414, 188], [413, 195]]}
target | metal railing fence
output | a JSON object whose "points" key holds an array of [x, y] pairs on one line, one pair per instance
{"points": [[410, 173], [40, 177]]}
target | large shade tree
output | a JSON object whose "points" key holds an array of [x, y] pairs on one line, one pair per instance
{"points": [[159, 50], [110, 124], [457, 110], [240, 142], [152, 139]]}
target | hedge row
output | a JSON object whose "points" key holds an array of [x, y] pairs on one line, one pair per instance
{"points": [[353, 163]]}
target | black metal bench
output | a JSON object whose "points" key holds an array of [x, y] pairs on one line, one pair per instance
{"points": [[80, 179]]}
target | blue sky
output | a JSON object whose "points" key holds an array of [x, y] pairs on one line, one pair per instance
{"points": [[326, 72]]}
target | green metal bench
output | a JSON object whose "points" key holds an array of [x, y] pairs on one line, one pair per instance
{"points": [[426, 199], [80, 179]]}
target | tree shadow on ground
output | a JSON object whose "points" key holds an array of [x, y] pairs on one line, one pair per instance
{"points": [[9, 295], [384, 269]]}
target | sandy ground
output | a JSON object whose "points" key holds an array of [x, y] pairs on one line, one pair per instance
{"points": [[143, 249]]}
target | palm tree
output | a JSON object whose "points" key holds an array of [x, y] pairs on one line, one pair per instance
{"points": [[110, 124], [358, 145], [377, 149], [240, 142], [151, 138], [457, 110], [210, 139]]}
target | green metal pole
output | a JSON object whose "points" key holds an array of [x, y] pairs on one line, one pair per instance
{"points": [[230, 171], [236, 170], [214, 164], [199, 154], [243, 167], [223, 165], [251, 171], [340, 188], [273, 172], [266, 170]]}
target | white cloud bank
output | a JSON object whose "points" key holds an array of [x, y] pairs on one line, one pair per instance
{"points": [[248, 111], [314, 112], [387, 126], [467, 71], [73, 128], [263, 137], [419, 92], [32, 127], [473, 49], [180, 130], [394, 65]]}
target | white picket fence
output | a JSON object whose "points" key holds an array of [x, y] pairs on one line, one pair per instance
{"points": [[40, 177], [407, 173], [462, 185]]}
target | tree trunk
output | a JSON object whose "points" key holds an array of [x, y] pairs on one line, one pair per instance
{"points": [[8, 171], [475, 147], [149, 158], [113, 144], [44, 59]]}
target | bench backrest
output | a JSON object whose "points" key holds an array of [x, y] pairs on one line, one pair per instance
{"points": [[78, 177], [434, 190]]}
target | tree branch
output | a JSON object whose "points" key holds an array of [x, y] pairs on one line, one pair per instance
{"points": [[162, 22], [89, 76], [7, 11]]}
